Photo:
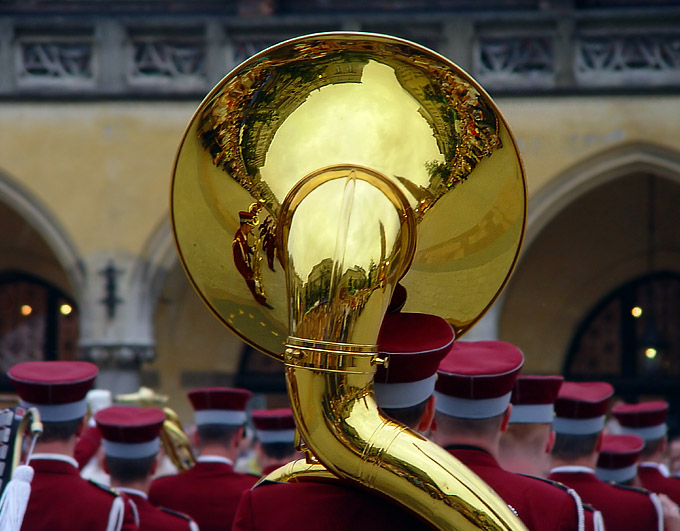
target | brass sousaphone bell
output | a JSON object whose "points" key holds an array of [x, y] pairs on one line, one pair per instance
{"points": [[312, 179]]}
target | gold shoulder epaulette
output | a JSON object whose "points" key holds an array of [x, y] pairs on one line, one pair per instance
{"points": [[105, 488]]}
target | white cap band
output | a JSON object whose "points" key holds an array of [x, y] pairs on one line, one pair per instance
{"points": [[59, 412], [618, 475], [220, 416], [532, 413], [468, 408], [275, 436], [648, 434], [131, 450], [578, 426], [404, 394]]}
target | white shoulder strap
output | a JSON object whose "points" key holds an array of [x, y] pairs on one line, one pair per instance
{"points": [[135, 511], [659, 509], [581, 519], [598, 521], [116, 514]]}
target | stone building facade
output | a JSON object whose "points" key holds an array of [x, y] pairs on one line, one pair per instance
{"points": [[95, 96]]}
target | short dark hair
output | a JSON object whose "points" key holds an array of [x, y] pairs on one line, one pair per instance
{"points": [[410, 416], [128, 470], [652, 446], [60, 431], [217, 433], [482, 428], [278, 450], [569, 446]]}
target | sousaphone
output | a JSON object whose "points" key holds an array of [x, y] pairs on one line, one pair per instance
{"points": [[311, 180]]}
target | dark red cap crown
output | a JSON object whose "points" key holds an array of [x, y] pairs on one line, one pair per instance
{"points": [[619, 451], [130, 425], [273, 419], [583, 400], [479, 369], [643, 415], [222, 398], [415, 344], [53, 382], [534, 389]]}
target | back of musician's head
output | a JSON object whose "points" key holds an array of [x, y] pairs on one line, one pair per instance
{"points": [[217, 434], [486, 428], [61, 431], [570, 447], [125, 470]]}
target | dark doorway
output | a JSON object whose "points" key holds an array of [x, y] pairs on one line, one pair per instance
{"points": [[631, 339], [37, 322]]}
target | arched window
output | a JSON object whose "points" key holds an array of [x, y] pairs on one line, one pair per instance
{"points": [[632, 340], [37, 322]]}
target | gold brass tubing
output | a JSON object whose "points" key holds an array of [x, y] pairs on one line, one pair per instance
{"points": [[339, 420], [31, 419], [298, 471], [175, 441]]}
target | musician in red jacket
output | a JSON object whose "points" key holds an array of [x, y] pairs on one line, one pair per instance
{"points": [[580, 411], [526, 443], [60, 500], [473, 389], [131, 441], [210, 490], [648, 421], [275, 438]]}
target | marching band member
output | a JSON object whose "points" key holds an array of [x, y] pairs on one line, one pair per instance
{"points": [[60, 499], [525, 445], [210, 490], [275, 438], [580, 411], [648, 421], [130, 438], [473, 390]]}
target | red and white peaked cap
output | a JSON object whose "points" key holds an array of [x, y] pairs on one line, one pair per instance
{"points": [[646, 419], [219, 405], [57, 388], [274, 425], [581, 407], [476, 378], [618, 457], [414, 344], [130, 432], [533, 399]]}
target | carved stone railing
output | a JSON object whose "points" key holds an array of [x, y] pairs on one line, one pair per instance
{"points": [[183, 55]]}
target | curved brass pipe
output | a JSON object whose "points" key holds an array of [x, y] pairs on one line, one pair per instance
{"points": [[338, 417], [330, 382]]}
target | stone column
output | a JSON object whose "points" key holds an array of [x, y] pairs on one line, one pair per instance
{"points": [[117, 320]]}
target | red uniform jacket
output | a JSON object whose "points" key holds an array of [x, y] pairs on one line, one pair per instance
{"points": [[87, 445], [319, 506], [63, 501], [652, 479], [538, 504], [152, 518], [208, 492], [622, 508]]}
